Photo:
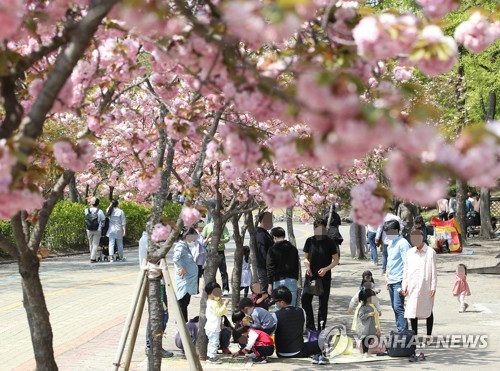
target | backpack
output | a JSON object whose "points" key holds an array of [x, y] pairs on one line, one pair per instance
{"points": [[92, 220]]}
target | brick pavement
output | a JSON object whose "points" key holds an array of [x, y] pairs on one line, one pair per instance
{"points": [[88, 305]]}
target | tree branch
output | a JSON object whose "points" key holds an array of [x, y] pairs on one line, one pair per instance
{"points": [[8, 247], [48, 206]]}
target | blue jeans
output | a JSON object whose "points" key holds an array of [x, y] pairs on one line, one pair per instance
{"points": [[371, 240], [291, 284], [384, 257], [398, 306]]}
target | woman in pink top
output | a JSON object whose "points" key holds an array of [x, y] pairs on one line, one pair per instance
{"points": [[419, 282]]}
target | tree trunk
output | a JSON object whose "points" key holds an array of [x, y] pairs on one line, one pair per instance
{"points": [[73, 192], [238, 262], [461, 211], [36, 311], [289, 226], [211, 266], [251, 238], [485, 213], [155, 309], [360, 248]]}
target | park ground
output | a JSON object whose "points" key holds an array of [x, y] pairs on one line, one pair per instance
{"points": [[88, 305]]}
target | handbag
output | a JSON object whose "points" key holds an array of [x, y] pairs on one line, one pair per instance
{"points": [[313, 287]]}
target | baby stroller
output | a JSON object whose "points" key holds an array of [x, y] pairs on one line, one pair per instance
{"points": [[104, 243], [473, 220]]}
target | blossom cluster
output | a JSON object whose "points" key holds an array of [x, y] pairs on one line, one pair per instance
{"points": [[366, 207], [76, 158], [160, 232], [476, 34], [190, 216]]}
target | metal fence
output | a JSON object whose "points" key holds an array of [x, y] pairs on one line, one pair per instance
{"points": [[495, 206]]}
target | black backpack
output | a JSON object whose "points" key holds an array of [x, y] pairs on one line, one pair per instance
{"points": [[92, 220], [402, 343]]}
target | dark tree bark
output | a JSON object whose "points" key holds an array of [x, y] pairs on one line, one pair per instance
{"points": [[155, 310], [37, 312], [73, 192], [238, 262], [251, 235], [485, 214], [461, 211], [360, 248], [289, 226]]}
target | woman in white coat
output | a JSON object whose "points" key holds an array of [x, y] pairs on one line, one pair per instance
{"points": [[419, 282]]}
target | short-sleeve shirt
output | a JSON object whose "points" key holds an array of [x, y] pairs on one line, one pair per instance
{"points": [[320, 253]]}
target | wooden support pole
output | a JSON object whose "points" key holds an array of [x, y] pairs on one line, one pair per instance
{"points": [[136, 322], [187, 343], [128, 321]]}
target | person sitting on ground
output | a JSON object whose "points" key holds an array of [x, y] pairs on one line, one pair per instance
{"points": [[261, 319], [259, 299], [289, 330], [256, 341], [193, 326]]}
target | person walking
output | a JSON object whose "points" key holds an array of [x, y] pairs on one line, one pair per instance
{"points": [[371, 235], [263, 242], [320, 257], [443, 209], [407, 213], [419, 282], [199, 252], [381, 236], [224, 238], [396, 256], [94, 219], [282, 264], [186, 270], [116, 231]]}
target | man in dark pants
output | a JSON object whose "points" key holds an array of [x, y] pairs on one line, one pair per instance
{"points": [[263, 242], [320, 257], [224, 238], [290, 326]]}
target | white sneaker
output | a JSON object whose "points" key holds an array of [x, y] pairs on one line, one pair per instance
{"points": [[225, 293], [197, 296]]}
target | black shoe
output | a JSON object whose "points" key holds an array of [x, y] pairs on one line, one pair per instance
{"points": [[93, 261], [413, 358]]}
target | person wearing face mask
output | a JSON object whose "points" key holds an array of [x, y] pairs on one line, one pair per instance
{"points": [[257, 318], [396, 257], [186, 269], [320, 257], [381, 236], [419, 282]]}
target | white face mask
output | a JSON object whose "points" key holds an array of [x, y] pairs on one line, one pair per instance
{"points": [[391, 237]]}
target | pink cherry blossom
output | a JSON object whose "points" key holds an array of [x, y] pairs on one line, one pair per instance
{"points": [[385, 36], [403, 74], [160, 232], [436, 9], [476, 33], [11, 16], [275, 196], [149, 183], [76, 158], [409, 183], [190, 216], [366, 208], [438, 53], [20, 199]]}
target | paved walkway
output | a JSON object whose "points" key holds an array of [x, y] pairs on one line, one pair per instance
{"points": [[88, 305]]}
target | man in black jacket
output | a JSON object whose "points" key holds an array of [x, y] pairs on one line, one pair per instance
{"points": [[282, 264], [289, 328], [263, 242]]}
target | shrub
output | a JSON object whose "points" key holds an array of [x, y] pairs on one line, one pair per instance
{"points": [[6, 231], [66, 227], [137, 217], [172, 210]]}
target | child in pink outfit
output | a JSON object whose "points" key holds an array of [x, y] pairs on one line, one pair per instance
{"points": [[461, 288]]}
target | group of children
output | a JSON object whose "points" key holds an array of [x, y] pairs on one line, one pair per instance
{"points": [[367, 310], [253, 325]]}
